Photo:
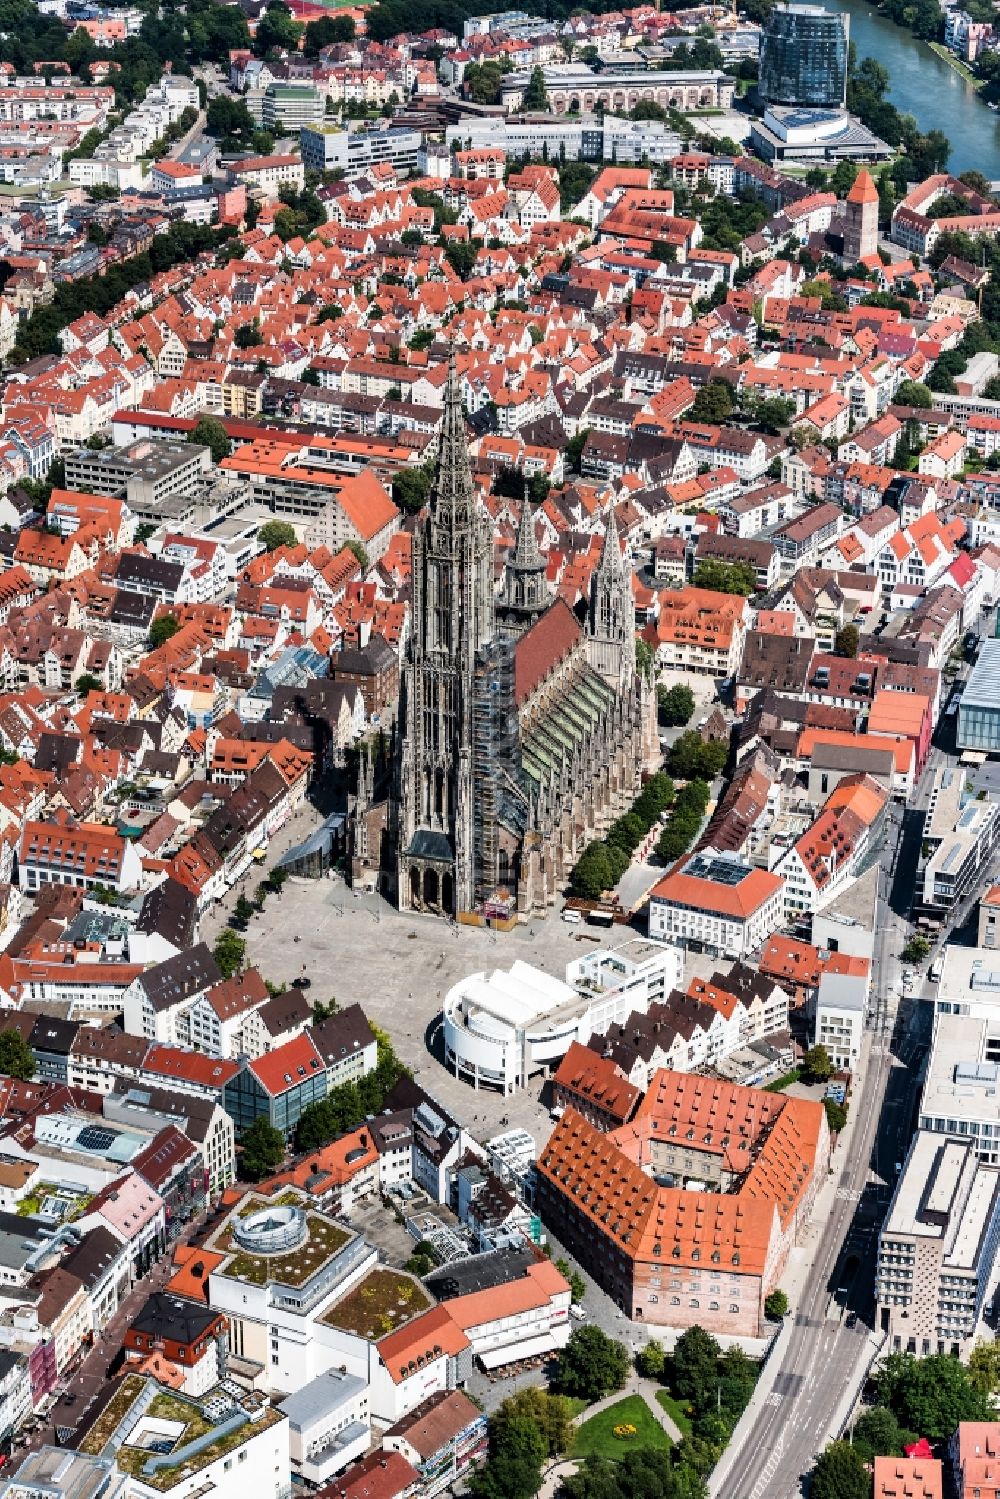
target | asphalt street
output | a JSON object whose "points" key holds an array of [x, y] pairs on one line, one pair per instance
{"points": [[831, 1344]]}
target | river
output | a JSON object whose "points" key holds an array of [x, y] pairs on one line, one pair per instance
{"points": [[923, 85]]}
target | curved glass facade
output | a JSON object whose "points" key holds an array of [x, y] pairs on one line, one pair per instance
{"points": [[803, 57]]}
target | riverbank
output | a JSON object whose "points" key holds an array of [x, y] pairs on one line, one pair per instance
{"points": [[929, 86], [956, 62]]}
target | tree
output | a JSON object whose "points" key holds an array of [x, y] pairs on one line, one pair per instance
{"points": [[210, 433], [355, 546], [916, 950], [461, 255], [644, 658], [692, 758], [816, 1064], [277, 31], [713, 403], [846, 640], [163, 628], [675, 705], [877, 1433], [592, 873], [836, 1115], [513, 1469], [840, 1474], [263, 1149], [88, 683], [776, 1305], [695, 1364], [726, 577], [277, 533], [247, 335], [535, 96], [551, 1414], [243, 910], [410, 488], [930, 1395], [984, 1367], [915, 393], [16, 1057], [591, 1365], [229, 952], [327, 32], [651, 1360]]}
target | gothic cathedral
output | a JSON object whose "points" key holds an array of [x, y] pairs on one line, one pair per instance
{"points": [[522, 733]]}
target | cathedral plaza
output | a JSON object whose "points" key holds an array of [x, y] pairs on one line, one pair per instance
{"points": [[401, 980]]}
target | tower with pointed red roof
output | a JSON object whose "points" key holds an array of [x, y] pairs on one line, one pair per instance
{"points": [[861, 219]]}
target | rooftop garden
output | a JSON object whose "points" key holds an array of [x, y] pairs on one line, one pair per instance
{"points": [[324, 1240], [385, 1300], [169, 1407], [76, 1202], [104, 1428]]}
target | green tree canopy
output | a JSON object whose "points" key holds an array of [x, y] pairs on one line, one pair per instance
{"points": [[263, 1150], [726, 577], [840, 1474], [410, 488], [877, 1433], [535, 96], [914, 393], [713, 403], [692, 757], [16, 1057], [513, 1469], [591, 1365], [551, 1414], [651, 1360], [277, 533], [327, 32], [816, 1064], [163, 628], [210, 433], [88, 683], [930, 1395], [675, 705], [776, 1305], [695, 1365], [847, 640], [229, 952]]}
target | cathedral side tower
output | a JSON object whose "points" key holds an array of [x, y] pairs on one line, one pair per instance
{"points": [[611, 619]]}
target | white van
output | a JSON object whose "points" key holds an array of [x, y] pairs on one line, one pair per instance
{"points": [[935, 971], [574, 918]]}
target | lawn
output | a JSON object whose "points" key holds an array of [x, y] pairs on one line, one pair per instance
{"points": [[676, 1411], [596, 1437]]}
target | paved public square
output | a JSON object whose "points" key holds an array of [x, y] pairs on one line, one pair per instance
{"points": [[398, 967]]}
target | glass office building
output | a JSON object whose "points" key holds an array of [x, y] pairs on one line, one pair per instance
{"points": [[979, 710], [803, 57]]}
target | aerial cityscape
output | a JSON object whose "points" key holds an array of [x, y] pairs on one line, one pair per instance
{"points": [[499, 750]]}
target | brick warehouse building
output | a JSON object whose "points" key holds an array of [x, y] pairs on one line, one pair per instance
{"points": [[670, 1255]]}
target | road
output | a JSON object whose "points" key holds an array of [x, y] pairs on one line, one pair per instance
{"points": [[824, 1358]]}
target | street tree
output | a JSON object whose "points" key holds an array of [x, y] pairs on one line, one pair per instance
{"points": [[263, 1150], [816, 1064], [840, 1474], [591, 1365], [229, 952], [675, 705], [776, 1305]]}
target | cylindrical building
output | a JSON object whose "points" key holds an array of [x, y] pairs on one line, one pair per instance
{"points": [[803, 57]]}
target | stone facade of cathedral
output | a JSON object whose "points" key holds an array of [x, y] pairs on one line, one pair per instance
{"points": [[522, 732]]}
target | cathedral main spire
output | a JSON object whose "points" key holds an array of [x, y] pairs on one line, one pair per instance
{"points": [[452, 500]]}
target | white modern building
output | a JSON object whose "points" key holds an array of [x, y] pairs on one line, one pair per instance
{"points": [[961, 1096], [840, 1017], [328, 1426], [938, 1248], [502, 1028]]}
